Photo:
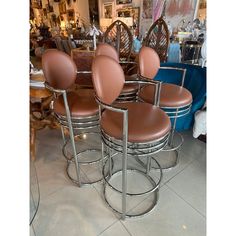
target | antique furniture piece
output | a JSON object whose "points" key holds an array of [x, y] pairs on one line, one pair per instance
{"points": [[129, 91], [119, 36], [40, 114], [83, 60], [76, 111], [158, 38], [191, 51], [131, 129], [34, 192], [175, 100]]}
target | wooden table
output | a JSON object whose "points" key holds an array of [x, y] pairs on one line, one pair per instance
{"points": [[40, 114]]}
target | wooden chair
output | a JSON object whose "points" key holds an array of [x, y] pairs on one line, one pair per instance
{"points": [[158, 38], [120, 37]]}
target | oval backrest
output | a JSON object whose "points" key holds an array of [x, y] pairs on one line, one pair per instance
{"points": [[107, 50], [149, 62], [108, 78], [59, 69], [119, 35], [158, 38]]}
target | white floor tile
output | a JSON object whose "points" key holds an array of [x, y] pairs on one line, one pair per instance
{"points": [[171, 217], [68, 210], [115, 230], [192, 146], [190, 184], [73, 211], [184, 161], [51, 177]]}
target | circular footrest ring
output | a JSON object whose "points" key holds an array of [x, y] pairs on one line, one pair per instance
{"points": [[168, 148], [97, 161], [176, 146], [144, 212], [147, 176]]}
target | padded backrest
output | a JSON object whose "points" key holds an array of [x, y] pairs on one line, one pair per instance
{"points": [[107, 50], [158, 38], [108, 78], [149, 62], [59, 69]]}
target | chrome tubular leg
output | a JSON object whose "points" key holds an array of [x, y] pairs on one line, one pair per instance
{"points": [[102, 150], [173, 129], [109, 162], [72, 137], [63, 135], [148, 165], [124, 165]]}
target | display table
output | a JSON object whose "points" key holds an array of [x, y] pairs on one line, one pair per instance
{"points": [[40, 115]]}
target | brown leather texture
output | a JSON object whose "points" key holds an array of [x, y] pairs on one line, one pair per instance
{"points": [[59, 69], [149, 62], [108, 78], [171, 95], [83, 59], [145, 122], [107, 50], [81, 103], [84, 80]]}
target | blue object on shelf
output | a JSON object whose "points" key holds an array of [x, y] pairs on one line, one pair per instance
{"points": [[195, 82], [174, 53], [136, 45]]}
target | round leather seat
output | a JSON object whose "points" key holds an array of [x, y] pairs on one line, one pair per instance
{"points": [[129, 88], [171, 95], [81, 103], [145, 122]]}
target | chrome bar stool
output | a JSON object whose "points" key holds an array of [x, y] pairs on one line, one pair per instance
{"points": [[175, 100], [76, 111], [130, 129], [129, 91]]}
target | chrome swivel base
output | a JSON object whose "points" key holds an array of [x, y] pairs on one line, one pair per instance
{"points": [[134, 189], [88, 157], [168, 157]]}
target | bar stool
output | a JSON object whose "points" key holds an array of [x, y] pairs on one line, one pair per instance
{"points": [[76, 111], [129, 91], [130, 128], [175, 100], [191, 51]]}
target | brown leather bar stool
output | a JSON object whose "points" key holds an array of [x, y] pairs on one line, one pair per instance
{"points": [[129, 91], [130, 128], [175, 100], [76, 111]]}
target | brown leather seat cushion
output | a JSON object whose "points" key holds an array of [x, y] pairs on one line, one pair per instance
{"points": [[84, 80], [129, 87], [145, 122], [171, 95], [81, 103]]}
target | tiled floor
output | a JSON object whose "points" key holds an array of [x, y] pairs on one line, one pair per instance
{"points": [[65, 209]]}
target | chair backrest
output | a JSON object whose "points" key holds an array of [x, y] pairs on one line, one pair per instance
{"points": [[158, 38], [107, 50], [59, 69], [149, 62], [58, 43], [66, 46], [108, 78], [120, 37]]}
